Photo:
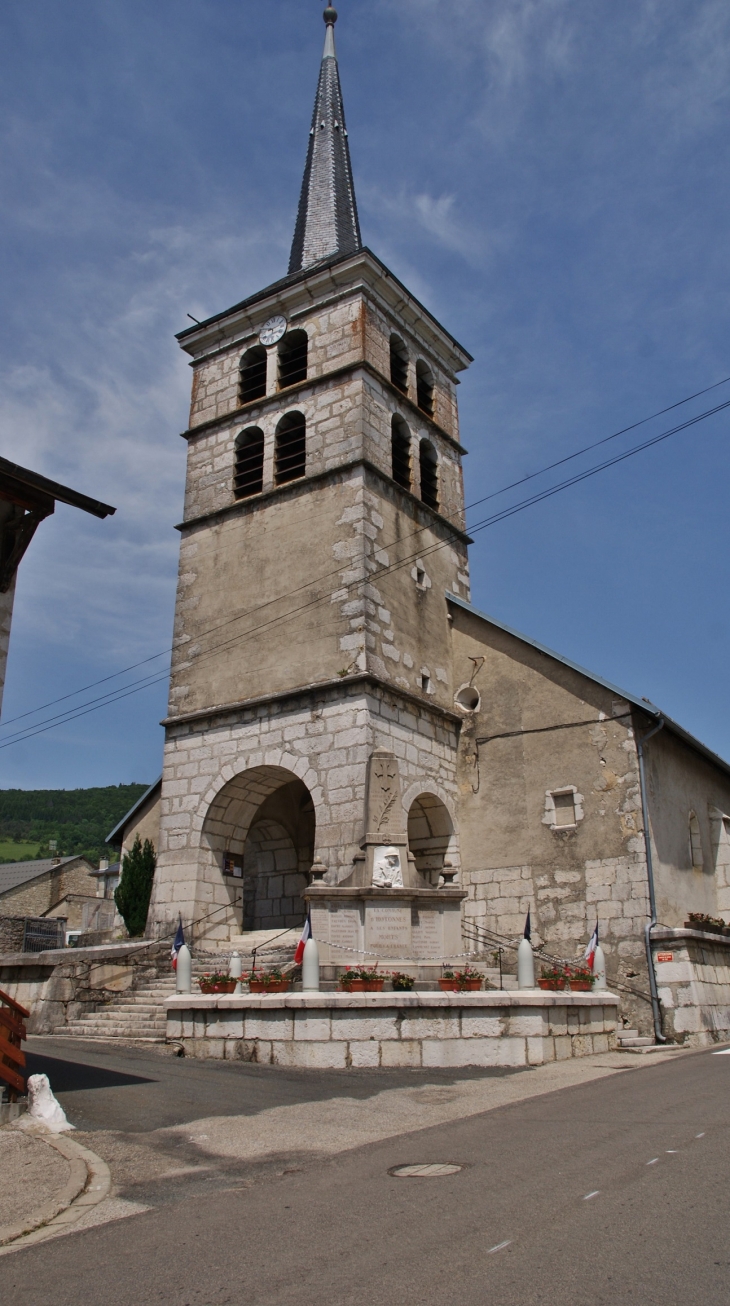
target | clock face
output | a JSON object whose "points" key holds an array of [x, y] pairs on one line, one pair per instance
{"points": [[272, 330]]}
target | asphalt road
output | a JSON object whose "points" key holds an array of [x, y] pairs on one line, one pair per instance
{"points": [[93, 1083], [614, 1191]]}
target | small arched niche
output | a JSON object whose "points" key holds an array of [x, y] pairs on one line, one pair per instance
{"points": [[248, 477], [252, 383], [697, 860], [399, 364], [430, 834], [400, 451], [293, 351]]}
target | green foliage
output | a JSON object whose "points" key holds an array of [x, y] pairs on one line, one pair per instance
{"points": [[78, 819], [133, 894]]}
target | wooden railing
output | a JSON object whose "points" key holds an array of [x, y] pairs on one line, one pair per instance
{"points": [[12, 1033]]}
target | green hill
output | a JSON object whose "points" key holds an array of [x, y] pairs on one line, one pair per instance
{"points": [[78, 819]]}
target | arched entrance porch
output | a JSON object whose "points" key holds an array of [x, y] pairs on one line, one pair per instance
{"points": [[258, 840]]}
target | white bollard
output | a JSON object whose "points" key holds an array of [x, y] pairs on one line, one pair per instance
{"points": [[184, 971], [310, 967], [599, 969], [525, 965], [234, 970]]}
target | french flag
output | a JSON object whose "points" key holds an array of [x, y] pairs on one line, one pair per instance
{"points": [[177, 944], [306, 934], [591, 949]]}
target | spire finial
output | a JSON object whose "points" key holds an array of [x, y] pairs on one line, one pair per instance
{"points": [[330, 16]]}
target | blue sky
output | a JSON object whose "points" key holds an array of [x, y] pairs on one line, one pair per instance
{"points": [[550, 178]]}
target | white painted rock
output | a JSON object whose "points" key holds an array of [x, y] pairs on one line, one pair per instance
{"points": [[43, 1108]]}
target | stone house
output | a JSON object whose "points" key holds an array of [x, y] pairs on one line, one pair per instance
{"points": [[52, 886], [323, 616]]}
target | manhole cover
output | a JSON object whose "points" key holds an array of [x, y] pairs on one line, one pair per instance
{"points": [[434, 1170]]}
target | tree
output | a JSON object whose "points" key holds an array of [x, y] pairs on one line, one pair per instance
{"points": [[133, 893]]}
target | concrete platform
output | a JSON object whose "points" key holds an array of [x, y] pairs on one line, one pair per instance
{"points": [[341, 1030]]}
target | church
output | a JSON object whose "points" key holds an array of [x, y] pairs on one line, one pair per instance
{"points": [[346, 731]]}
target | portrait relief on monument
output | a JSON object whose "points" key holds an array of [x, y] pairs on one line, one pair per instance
{"points": [[387, 869]]}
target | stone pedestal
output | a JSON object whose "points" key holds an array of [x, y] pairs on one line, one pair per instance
{"points": [[386, 911], [343, 1030], [356, 926]]}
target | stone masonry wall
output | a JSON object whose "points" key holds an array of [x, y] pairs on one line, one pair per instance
{"points": [[325, 740], [343, 333], [380, 324], [59, 986], [341, 1031], [347, 419], [693, 978]]}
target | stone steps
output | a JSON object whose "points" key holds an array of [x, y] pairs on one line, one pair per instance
{"points": [[630, 1038], [139, 1014]]}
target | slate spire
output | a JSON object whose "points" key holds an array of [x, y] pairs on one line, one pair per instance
{"points": [[327, 222]]}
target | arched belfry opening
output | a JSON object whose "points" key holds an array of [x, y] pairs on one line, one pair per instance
{"points": [[258, 837], [430, 836]]}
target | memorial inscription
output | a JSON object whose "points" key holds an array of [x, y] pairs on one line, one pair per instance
{"points": [[344, 929], [389, 928], [427, 928]]}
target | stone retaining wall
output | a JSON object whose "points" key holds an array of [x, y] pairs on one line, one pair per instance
{"points": [[341, 1030], [693, 979], [63, 984]]}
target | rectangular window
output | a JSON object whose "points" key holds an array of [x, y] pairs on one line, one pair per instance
{"points": [[564, 809]]}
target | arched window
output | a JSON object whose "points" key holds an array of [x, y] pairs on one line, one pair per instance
{"points": [[695, 843], [399, 364], [429, 474], [293, 358], [400, 448], [248, 477], [253, 375], [424, 387], [291, 448]]}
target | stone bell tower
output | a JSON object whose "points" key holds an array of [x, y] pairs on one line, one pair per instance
{"points": [[323, 526]]}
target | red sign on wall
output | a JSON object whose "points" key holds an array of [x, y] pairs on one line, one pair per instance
{"points": [[665, 956]]}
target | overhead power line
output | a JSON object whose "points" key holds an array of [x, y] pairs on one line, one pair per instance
{"points": [[125, 691]]}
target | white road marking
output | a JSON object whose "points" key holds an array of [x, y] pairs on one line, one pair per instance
{"points": [[724, 1052], [588, 1196], [500, 1247], [699, 1135], [672, 1151], [654, 1161]]}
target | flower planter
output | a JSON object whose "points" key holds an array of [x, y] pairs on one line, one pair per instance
{"points": [[353, 986], [551, 985], [230, 987], [276, 986], [470, 985], [580, 986], [372, 986]]}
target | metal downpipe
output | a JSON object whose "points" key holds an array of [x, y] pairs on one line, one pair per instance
{"points": [[656, 1009]]}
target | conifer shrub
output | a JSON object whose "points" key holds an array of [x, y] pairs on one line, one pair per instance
{"points": [[135, 887]]}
